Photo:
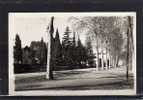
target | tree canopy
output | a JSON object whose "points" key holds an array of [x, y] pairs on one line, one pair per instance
{"points": [[107, 32]]}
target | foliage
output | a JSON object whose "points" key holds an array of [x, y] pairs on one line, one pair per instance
{"points": [[74, 53], [17, 50], [58, 49], [38, 51], [108, 33]]}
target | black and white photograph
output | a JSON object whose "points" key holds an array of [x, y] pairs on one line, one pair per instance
{"points": [[78, 53]]}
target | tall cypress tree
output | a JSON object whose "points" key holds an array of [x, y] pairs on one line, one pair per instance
{"points": [[58, 48], [17, 50]]}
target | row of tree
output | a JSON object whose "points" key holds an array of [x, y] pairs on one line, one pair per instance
{"points": [[113, 34], [70, 52]]}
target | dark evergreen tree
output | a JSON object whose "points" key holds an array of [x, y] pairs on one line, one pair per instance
{"points": [[81, 53], [43, 52], [74, 41], [17, 50], [26, 56], [67, 45], [74, 51], [66, 41], [35, 47], [58, 49], [33, 52]]}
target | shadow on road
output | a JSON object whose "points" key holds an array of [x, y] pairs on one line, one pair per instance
{"points": [[75, 80]]}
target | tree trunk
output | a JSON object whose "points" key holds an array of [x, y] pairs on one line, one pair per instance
{"points": [[97, 55], [49, 70], [129, 32], [102, 66], [117, 61], [127, 58], [106, 59], [50, 55], [110, 60], [114, 62]]}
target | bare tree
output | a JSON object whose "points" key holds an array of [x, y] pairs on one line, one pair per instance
{"points": [[104, 30], [91, 24]]}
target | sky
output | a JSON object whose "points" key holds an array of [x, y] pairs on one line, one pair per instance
{"points": [[32, 26]]}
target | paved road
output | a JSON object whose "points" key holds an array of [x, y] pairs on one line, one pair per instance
{"points": [[81, 79]]}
